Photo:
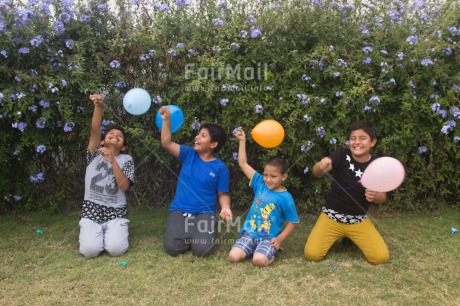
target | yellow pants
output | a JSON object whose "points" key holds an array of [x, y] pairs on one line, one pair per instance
{"points": [[363, 234]]}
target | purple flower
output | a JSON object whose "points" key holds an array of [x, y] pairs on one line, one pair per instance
{"points": [[455, 111], [251, 20], [36, 41], [421, 150], [4, 53], [172, 52], [120, 84], [41, 149], [33, 108], [446, 129], [270, 87], [64, 17], [180, 45], [367, 60], [340, 62], [367, 50], [456, 139], [84, 18], [58, 26], [320, 132], [44, 104], [216, 49], [255, 33], [412, 40], [68, 127], [196, 125], [435, 107], [442, 112], [37, 178], [235, 155], [182, 3], [451, 123], [114, 64], [307, 118], [305, 171], [23, 50], [333, 141], [411, 84], [223, 102], [243, 34], [384, 52], [40, 123], [455, 86], [338, 94], [235, 130], [308, 147], [234, 46], [157, 99], [400, 55], [68, 43], [303, 98], [21, 126], [367, 108], [102, 8], [218, 22], [374, 99], [259, 109], [63, 82], [17, 198], [161, 7], [336, 74], [306, 78], [427, 62]]}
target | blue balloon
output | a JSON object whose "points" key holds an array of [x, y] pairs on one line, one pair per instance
{"points": [[137, 101], [177, 118]]}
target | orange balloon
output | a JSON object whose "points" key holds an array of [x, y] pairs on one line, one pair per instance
{"points": [[268, 133]]}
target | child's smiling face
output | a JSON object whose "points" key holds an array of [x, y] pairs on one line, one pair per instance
{"points": [[273, 178], [115, 138], [203, 141], [360, 145]]}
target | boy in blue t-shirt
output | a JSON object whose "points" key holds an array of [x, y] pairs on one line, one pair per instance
{"points": [[262, 232], [203, 181]]}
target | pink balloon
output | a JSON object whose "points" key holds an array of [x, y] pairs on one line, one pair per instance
{"points": [[383, 174]]}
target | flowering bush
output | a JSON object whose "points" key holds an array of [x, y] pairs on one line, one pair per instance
{"points": [[314, 66]]}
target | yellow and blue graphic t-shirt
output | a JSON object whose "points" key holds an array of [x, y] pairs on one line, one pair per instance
{"points": [[268, 211]]}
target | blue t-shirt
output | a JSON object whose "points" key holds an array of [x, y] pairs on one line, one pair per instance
{"points": [[199, 182], [268, 211]]}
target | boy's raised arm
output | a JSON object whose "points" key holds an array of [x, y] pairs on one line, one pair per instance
{"points": [[166, 141], [242, 157], [96, 122]]}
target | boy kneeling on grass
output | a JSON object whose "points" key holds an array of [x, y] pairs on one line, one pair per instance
{"points": [[109, 174], [262, 234]]}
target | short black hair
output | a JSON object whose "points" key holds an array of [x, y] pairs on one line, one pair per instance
{"points": [[362, 125], [114, 127], [217, 134], [279, 162]]}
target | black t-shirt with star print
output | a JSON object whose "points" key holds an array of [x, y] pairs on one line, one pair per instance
{"points": [[347, 194]]}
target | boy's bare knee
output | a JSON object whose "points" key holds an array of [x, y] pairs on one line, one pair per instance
{"points": [[261, 260], [236, 255]]}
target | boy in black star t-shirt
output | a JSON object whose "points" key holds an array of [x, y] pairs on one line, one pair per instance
{"points": [[345, 211]]}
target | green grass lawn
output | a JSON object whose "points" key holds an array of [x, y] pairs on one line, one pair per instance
{"points": [[39, 269]]}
